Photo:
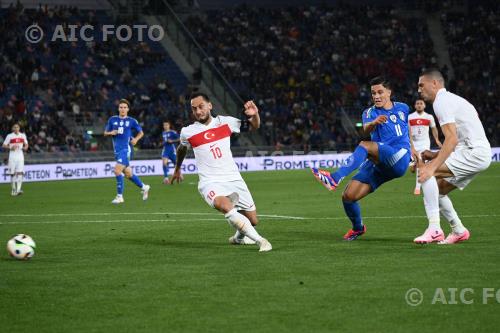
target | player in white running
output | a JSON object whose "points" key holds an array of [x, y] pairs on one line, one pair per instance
{"points": [[17, 143], [465, 152], [420, 122], [220, 183]]}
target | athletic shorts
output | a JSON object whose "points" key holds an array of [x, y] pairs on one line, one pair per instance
{"points": [[123, 156], [393, 163], [16, 165], [170, 154], [467, 163], [209, 191]]}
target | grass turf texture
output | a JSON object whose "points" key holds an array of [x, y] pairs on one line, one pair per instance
{"points": [[123, 271]]}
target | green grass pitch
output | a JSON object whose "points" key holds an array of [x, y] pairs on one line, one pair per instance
{"points": [[164, 265]]}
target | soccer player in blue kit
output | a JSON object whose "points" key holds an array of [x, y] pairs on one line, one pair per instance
{"points": [[170, 137], [120, 128], [380, 160]]}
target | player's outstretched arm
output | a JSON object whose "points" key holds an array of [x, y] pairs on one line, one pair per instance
{"points": [[252, 111], [181, 155], [110, 133]]}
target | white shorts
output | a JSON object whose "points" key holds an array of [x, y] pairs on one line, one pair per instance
{"points": [[465, 164], [16, 165], [209, 191]]}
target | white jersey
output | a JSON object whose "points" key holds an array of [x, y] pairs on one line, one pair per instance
{"points": [[17, 141], [212, 148], [419, 125], [451, 108]]}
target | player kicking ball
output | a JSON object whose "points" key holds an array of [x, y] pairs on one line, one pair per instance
{"points": [[17, 143], [380, 160], [120, 128], [220, 183], [465, 152]]}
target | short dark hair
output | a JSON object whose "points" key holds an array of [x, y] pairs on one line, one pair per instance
{"points": [[433, 73], [200, 94], [124, 101], [381, 80]]}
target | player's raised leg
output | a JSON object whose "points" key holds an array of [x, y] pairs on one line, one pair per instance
{"points": [[364, 150]]}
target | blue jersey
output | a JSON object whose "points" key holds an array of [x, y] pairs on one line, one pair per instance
{"points": [[394, 131], [169, 135], [124, 126]]}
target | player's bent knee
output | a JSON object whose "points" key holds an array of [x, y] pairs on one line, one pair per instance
{"points": [[223, 204]]}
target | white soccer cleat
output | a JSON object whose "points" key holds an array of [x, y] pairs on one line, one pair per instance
{"points": [[237, 241], [117, 200], [145, 192], [264, 245]]}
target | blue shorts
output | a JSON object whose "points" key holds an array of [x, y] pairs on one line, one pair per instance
{"points": [[170, 154], [123, 156], [393, 163]]}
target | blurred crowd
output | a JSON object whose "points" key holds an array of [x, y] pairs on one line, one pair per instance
{"points": [[473, 41], [306, 65], [51, 88]]}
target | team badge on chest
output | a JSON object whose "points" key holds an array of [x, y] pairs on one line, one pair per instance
{"points": [[393, 118]]}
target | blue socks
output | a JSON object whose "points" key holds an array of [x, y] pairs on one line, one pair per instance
{"points": [[119, 184], [353, 211], [165, 170], [134, 179], [352, 163]]}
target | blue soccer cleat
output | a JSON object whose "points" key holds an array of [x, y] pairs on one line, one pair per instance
{"points": [[323, 176]]}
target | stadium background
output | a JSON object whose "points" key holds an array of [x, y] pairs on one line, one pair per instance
{"points": [[165, 264]]}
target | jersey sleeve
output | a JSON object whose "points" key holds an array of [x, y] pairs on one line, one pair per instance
{"points": [[234, 123], [444, 113], [184, 138], [7, 140], [433, 122], [136, 126], [368, 116], [109, 125]]}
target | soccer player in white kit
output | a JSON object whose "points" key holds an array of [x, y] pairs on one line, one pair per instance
{"points": [[220, 182], [465, 152], [17, 143], [420, 122]]}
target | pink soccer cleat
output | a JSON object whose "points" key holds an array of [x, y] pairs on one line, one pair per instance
{"points": [[453, 238], [417, 191], [323, 176], [430, 236]]}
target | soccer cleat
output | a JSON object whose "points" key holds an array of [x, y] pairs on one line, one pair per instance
{"points": [[166, 181], [264, 245], [118, 200], [145, 192], [430, 236], [245, 241], [417, 191], [13, 193], [453, 238], [20, 192], [323, 176], [354, 234]]}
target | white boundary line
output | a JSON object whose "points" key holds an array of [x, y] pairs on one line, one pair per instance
{"points": [[280, 217]]}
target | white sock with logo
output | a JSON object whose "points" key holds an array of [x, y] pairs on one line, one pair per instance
{"points": [[242, 224], [450, 214], [431, 202], [19, 181]]}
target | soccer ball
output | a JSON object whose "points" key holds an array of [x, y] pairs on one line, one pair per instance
{"points": [[21, 247]]}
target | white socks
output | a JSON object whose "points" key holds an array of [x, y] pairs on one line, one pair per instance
{"points": [[431, 202], [13, 183], [19, 182], [242, 224], [417, 184], [450, 214]]}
